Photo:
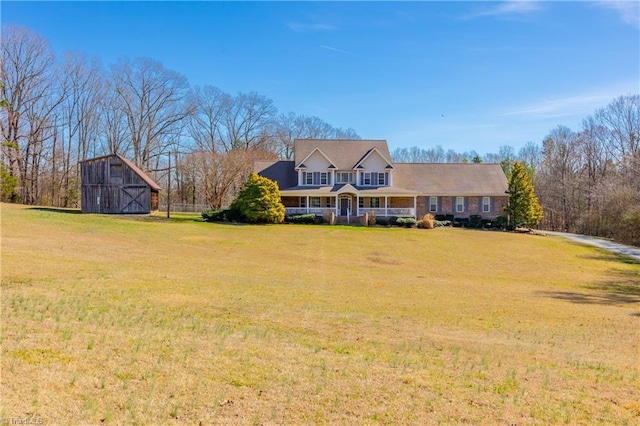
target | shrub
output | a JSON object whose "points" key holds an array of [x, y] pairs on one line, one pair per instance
{"points": [[233, 214], [407, 222], [426, 222], [259, 201], [8, 183], [439, 223], [475, 221], [501, 221], [382, 221], [213, 215], [302, 218], [393, 221]]}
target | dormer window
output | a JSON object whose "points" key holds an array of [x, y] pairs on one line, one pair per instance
{"points": [[375, 179], [344, 177], [316, 178]]}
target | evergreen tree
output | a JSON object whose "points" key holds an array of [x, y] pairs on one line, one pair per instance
{"points": [[523, 208], [259, 201]]}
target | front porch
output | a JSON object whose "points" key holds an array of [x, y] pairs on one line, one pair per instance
{"points": [[350, 205]]}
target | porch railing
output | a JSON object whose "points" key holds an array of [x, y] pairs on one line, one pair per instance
{"points": [[304, 210], [395, 211]]}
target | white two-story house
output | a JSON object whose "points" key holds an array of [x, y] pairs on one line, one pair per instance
{"points": [[353, 177]]}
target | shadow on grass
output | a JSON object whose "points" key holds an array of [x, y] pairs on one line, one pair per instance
{"points": [[603, 254], [622, 288], [56, 210]]}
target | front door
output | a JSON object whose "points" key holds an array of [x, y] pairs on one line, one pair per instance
{"points": [[345, 206]]}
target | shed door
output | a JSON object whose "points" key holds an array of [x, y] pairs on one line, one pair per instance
{"points": [[134, 200]]}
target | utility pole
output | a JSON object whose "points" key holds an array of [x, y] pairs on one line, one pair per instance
{"points": [[169, 189]]}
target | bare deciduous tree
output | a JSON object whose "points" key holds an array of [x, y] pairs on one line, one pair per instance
{"points": [[152, 99], [205, 124], [28, 73], [248, 122]]}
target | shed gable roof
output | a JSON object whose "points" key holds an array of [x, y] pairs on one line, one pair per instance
{"points": [[137, 170]]}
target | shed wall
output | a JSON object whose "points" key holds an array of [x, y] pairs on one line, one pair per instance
{"points": [[111, 186]]}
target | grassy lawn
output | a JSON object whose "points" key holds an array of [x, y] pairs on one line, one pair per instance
{"points": [[125, 320]]}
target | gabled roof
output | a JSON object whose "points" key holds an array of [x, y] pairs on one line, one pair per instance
{"points": [[343, 153], [368, 154], [137, 170], [302, 166], [452, 179]]}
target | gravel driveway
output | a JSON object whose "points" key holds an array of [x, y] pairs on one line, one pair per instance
{"points": [[630, 251]]}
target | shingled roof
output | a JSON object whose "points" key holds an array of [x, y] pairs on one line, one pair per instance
{"points": [[282, 172], [344, 153], [459, 179]]}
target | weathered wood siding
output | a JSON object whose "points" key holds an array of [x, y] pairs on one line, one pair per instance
{"points": [[110, 186]]}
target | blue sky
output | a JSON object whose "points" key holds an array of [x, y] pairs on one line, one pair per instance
{"points": [[464, 75]]}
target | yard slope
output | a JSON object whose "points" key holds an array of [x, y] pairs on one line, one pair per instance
{"points": [[115, 320]]}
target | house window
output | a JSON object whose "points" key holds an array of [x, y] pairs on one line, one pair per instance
{"points": [[459, 204], [366, 178], [486, 204], [327, 201], [316, 178], [382, 179], [374, 202], [303, 201], [375, 179], [433, 204], [361, 202], [344, 177], [314, 201]]}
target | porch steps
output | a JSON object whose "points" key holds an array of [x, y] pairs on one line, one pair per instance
{"points": [[342, 220]]}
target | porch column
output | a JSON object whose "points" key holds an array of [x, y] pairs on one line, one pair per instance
{"points": [[415, 206], [307, 204], [386, 205], [337, 214]]}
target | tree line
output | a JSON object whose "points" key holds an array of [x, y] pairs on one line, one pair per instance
{"points": [[587, 180], [59, 111]]}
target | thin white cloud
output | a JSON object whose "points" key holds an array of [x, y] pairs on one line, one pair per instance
{"points": [[583, 104], [337, 50], [303, 27], [628, 11], [506, 8]]}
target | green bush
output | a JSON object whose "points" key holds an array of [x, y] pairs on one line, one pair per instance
{"points": [[9, 184], [259, 201], [382, 221], [213, 215], [439, 223], [407, 222], [233, 214], [302, 218], [393, 221], [475, 221]]}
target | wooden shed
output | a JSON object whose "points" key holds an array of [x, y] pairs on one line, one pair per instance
{"points": [[114, 185]]}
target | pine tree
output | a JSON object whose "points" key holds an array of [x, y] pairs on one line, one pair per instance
{"points": [[523, 208], [259, 201]]}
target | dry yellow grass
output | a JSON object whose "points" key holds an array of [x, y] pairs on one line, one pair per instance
{"points": [[147, 321]]}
